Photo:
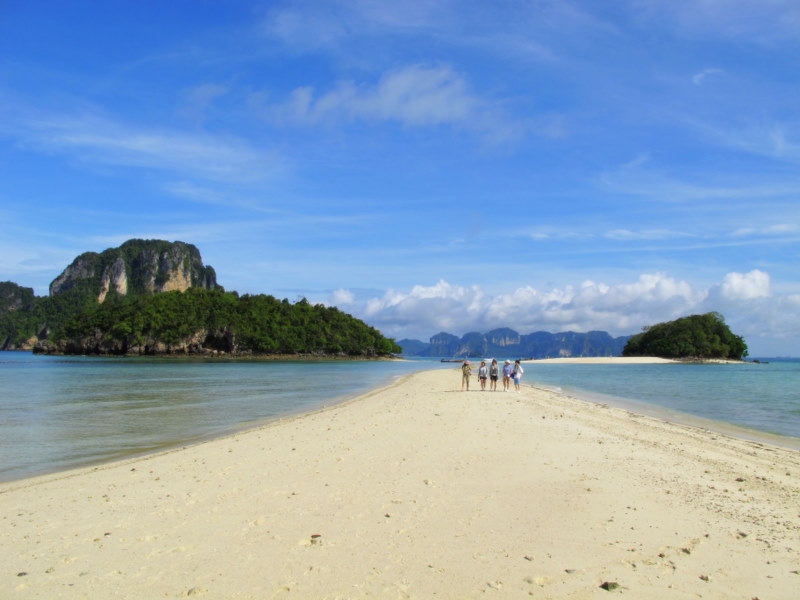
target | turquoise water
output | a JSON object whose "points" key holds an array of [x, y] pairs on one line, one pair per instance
{"points": [[764, 397], [62, 412]]}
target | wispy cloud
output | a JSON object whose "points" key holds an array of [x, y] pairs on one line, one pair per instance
{"points": [[700, 77], [781, 229], [648, 181], [771, 139], [757, 21], [414, 96], [91, 138], [646, 234]]}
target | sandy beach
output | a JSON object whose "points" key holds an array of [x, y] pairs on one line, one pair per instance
{"points": [[420, 491]]}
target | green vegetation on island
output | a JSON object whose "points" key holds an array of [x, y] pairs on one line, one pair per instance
{"points": [[201, 321], [704, 336]]}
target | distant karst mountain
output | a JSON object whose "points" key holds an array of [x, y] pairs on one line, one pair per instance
{"points": [[507, 343]]}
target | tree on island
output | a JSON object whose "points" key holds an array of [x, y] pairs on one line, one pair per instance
{"points": [[696, 336]]}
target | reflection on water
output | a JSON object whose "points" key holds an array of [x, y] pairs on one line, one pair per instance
{"points": [[61, 412]]}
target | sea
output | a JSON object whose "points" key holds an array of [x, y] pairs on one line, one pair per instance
{"points": [[59, 413]]}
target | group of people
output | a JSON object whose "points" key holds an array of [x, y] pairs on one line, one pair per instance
{"points": [[492, 373]]}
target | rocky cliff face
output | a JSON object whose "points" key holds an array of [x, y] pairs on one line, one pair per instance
{"points": [[14, 297], [137, 267], [201, 342]]}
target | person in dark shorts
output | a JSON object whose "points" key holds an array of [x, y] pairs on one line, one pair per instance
{"points": [[483, 373], [494, 372]]}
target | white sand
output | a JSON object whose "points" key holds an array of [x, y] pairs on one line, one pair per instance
{"points": [[420, 491]]}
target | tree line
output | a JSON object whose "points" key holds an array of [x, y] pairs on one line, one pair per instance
{"points": [[259, 324]]}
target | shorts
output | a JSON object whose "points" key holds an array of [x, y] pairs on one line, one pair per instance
{"points": [[494, 377]]}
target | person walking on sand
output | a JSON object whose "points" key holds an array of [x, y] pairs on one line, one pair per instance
{"points": [[516, 374], [493, 372], [466, 372], [506, 375], [483, 371]]}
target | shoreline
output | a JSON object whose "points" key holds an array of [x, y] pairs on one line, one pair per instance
{"points": [[219, 355], [679, 418], [415, 490]]}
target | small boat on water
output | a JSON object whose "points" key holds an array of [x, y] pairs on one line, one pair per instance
{"points": [[453, 360]]}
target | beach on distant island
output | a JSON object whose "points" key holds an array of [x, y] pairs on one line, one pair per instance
{"points": [[418, 490]]}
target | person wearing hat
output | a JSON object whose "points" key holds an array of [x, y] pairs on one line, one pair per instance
{"points": [[466, 371], [507, 376]]}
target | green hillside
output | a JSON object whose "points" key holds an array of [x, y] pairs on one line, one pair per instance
{"points": [[697, 336]]}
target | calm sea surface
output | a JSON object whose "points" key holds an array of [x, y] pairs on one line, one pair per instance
{"points": [[62, 412], [764, 397]]}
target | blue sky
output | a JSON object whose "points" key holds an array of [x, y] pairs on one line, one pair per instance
{"points": [[426, 166]]}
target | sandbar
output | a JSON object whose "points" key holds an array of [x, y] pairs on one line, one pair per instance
{"points": [[419, 490]]}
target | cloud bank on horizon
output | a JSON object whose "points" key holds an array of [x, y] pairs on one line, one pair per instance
{"points": [[619, 309], [434, 165]]}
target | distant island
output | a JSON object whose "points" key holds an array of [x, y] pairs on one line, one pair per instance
{"points": [[152, 297], [704, 336], [506, 343]]}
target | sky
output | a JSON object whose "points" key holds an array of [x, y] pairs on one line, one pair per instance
{"points": [[427, 166]]}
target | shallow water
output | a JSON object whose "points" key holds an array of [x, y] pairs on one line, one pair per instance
{"points": [[764, 397], [62, 412]]}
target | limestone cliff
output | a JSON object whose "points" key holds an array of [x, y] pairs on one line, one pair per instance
{"points": [[136, 267], [14, 297]]}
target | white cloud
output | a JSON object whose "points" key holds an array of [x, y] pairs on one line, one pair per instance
{"points": [[744, 299], [738, 286], [342, 297]]}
